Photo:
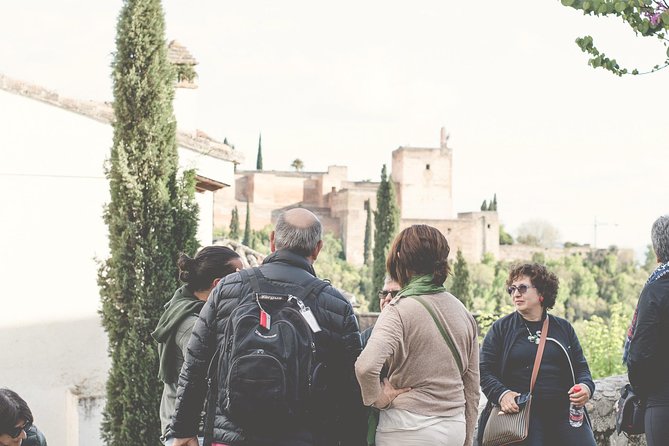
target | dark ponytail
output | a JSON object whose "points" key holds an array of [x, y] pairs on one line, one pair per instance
{"points": [[211, 262]]}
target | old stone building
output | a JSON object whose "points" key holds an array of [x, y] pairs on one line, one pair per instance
{"points": [[423, 181]]}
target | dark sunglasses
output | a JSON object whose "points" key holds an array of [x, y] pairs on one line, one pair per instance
{"points": [[17, 430], [522, 289], [384, 293]]}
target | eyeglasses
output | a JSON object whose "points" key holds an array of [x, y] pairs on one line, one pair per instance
{"points": [[522, 289], [17, 430], [384, 293]]}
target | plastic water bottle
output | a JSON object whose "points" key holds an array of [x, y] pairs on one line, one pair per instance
{"points": [[576, 414]]}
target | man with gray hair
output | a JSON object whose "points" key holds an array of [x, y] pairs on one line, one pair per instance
{"points": [[333, 411], [646, 348]]}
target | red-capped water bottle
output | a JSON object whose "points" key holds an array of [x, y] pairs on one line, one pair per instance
{"points": [[576, 414]]}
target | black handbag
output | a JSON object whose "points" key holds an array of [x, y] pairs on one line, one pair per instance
{"points": [[630, 412]]}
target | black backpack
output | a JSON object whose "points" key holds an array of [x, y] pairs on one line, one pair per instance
{"points": [[267, 357]]}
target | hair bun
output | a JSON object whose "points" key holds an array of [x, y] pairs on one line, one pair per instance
{"points": [[185, 264]]}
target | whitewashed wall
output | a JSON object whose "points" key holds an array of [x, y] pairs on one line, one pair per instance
{"points": [[52, 192]]}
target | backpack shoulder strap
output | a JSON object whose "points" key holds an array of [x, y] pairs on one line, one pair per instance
{"points": [[313, 286], [252, 275]]}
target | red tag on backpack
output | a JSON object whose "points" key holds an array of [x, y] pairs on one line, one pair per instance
{"points": [[265, 319]]}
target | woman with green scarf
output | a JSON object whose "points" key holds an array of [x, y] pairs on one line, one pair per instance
{"points": [[428, 341]]}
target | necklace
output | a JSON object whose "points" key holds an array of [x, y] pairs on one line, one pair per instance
{"points": [[533, 338]]}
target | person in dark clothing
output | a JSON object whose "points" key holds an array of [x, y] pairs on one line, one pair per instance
{"points": [[646, 348], [16, 422], [507, 359], [200, 275], [337, 416]]}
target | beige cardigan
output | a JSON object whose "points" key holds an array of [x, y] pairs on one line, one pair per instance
{"points": [[407, 339]]}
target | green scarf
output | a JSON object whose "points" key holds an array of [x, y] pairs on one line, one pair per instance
{"points": [[183, 304], [420, 286]]}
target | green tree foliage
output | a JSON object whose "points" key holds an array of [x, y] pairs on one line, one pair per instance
{"points": [[651, 260], [297, 164], [234, 224], [386, 225], [332, 265], [490, 205], [461, 286], [602, 341], [367, 252], [259, 156], [151, 217], [504, 237], [648, 18], [247, 227]]}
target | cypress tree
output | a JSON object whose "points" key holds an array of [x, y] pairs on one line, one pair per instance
{"points": [[367, 252], [234, 224], [386, 224], [494, 203], [151, 217], [461, 286], [247, 227], [259, 157], [484, 205]]}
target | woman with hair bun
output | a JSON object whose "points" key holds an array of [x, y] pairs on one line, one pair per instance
{"points": [[428, 341], [199, 275]]}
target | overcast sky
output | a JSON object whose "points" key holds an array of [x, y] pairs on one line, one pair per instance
{"points": [[347, 82]]}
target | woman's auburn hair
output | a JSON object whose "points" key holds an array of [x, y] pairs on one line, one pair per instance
{"points": [[418, 250]]}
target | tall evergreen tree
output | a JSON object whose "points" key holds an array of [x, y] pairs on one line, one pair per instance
{"points": [[484, 205], [386, 225], [494, 203], [259, 157], [234, 224], [461, 286], [151, 217], [247, 227], [367, 252]]}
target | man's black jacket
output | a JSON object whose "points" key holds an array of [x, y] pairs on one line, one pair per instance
{"points": [[342, 419]]}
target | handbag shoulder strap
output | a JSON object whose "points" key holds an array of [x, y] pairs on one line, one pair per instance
{"points": [[443, 332], [540, 353]]}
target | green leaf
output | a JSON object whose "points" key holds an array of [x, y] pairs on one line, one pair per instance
{"points": [[620, 6], [586, 6], [665, 18], [667, 52], [567, 2], [635, 72]]}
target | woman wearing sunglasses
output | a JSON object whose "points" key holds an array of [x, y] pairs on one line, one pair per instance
{"points": [[507, 360], [427, 340], [16, 422]]}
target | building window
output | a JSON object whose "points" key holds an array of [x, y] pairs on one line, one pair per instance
{"points": [[488, 226], [427, 167]]}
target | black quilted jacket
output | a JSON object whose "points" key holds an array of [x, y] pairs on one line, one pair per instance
{"points": [[340, 420]]}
